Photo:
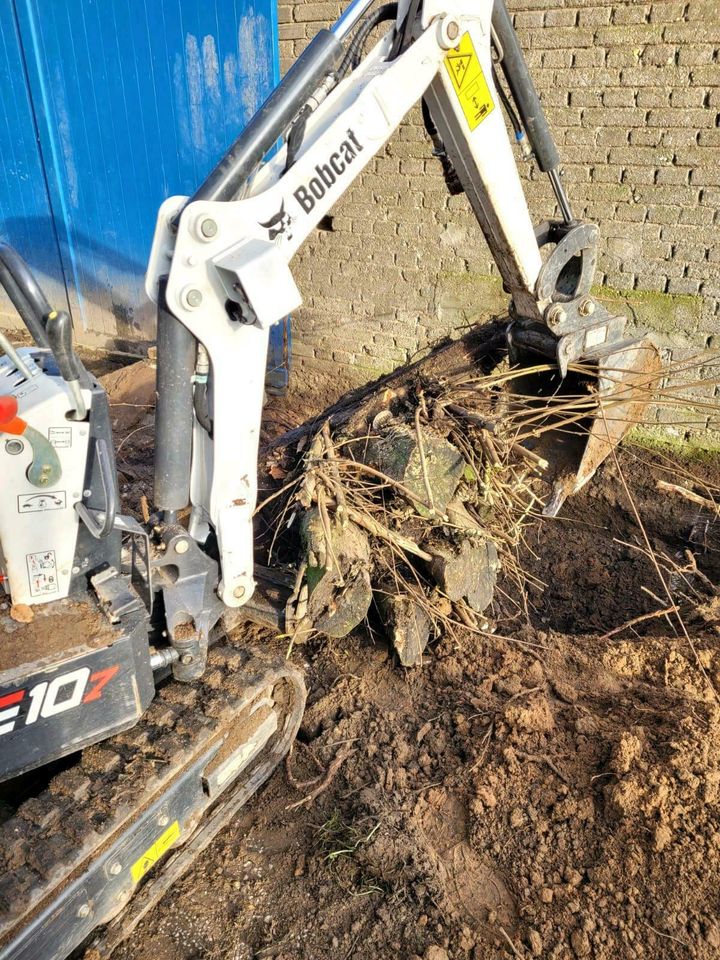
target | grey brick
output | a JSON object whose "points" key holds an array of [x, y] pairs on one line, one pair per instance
{"points": [[618, 97], [689, 118], [594, 16], [630, 13], [561, 17]]}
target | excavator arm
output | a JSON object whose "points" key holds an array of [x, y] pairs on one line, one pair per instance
{"points": [[220, 262]]}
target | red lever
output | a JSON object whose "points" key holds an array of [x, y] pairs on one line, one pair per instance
{"points": [[10, 422]]}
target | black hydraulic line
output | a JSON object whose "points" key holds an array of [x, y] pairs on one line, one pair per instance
{"points": [[509, 109], [272, 119], [403, 37], [25, 280], [24, 293], [350, 60], [296, 136], [523, 90], [452, 181], [28, 316], [201, 407], [176, 350], [355, 49]]}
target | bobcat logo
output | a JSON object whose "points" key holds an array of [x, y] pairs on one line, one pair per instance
{"points": [[279, 225]]}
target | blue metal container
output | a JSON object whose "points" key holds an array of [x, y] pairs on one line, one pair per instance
{"points": [[108, 107]]}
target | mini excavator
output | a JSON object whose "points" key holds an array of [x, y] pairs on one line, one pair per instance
{"points": [[115, 664]]}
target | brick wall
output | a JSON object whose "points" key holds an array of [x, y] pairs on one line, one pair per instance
{"points": [[632, 92]]}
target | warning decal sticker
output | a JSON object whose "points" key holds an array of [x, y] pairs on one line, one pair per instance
{"points": [[154, 852], [42, 573], [469, 82]]}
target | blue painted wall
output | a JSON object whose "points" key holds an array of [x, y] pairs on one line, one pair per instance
{"points": [[108, 107]]}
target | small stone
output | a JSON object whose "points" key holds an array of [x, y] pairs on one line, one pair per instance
{"points": [[546, 895], [436, 953], [535, 942], [580, 942], [662, 837], [487, 797], [22, 613], [572, 876], [625, 753]]}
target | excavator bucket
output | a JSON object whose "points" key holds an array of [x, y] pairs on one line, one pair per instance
{"points": [[574, 422]]}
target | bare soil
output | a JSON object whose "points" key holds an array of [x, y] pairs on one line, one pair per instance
{"points": [[51, 631], [543, 792]]}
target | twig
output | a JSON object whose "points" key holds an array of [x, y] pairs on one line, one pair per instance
{"points": [[512, 946], [541, 758], [537, 461], [488, 446], [423, 463], [364, 468], [335, 473], [341, 756], [667, 936], [635, 620], [378, 529], [331, 560], [300, 784], [688, 495], [485, 745]]}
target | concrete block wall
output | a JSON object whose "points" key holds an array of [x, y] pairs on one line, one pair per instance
{"points": [[632, 91]]}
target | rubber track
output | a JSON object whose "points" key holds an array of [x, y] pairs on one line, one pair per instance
{"points": [[54, 833]]}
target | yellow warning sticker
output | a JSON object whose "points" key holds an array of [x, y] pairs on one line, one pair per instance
{"points": [[469, 81], [154, 852]]}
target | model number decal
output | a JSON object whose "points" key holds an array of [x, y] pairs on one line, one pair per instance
{"points": [[48, 698]]}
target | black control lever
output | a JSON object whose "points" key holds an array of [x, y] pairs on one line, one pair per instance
{"points": [[58, 327]]}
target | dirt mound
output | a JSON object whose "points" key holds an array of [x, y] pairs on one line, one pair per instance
{"points": [[548, 791]]}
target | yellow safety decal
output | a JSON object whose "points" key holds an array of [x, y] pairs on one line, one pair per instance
{"points": [[154, 852], [469, 81]]}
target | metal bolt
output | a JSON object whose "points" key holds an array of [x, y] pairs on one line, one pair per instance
{"points": [[182, 546], [555, 314], [84, 911], [14, 447], [186, 659], [453, 30], [239, 592], [115, 868], [586, 307], [163, 820], [76, 569], [208, 228], [87, 493], [193, 298]]}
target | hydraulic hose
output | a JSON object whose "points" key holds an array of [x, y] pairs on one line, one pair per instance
{"points": [[354, 52], [24, 293]]}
